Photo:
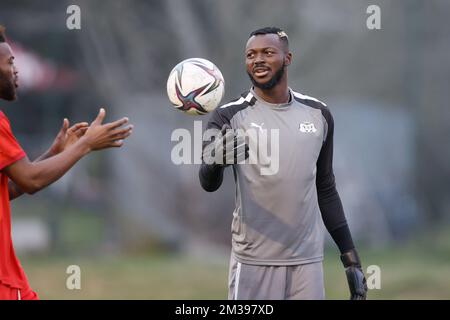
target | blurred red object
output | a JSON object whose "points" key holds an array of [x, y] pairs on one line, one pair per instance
{"points": [[38, 74]]}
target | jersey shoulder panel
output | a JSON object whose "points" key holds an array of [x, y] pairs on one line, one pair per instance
{"points": [[231, 108], [224, 113], [314, 103], [308, 100]]}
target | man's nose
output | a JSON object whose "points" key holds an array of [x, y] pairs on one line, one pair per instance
{"points": [[259, 59]]}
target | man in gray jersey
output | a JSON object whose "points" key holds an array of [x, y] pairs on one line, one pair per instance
{"points": [[277, 228]]}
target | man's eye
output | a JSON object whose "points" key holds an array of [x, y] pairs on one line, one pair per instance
{"points": [[249, 55]]}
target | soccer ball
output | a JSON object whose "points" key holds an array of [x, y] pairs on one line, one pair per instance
{"points": [[195, 86]]}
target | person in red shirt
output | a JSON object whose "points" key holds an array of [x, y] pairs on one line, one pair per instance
{"points": [[19, 175]]}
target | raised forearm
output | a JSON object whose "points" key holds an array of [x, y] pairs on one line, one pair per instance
{"points": [[13, 189], [51, 169], [48, 154], [32, 177]]}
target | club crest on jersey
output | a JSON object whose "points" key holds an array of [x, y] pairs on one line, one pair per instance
{"points": [[307, 127]]}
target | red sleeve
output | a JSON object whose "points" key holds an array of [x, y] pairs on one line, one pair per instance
{"points": [[10, 150]]}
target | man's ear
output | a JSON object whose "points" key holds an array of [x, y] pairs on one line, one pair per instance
{"points": [[288, 59]]}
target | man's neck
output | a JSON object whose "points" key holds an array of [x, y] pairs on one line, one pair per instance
{"points": [[276, 95]]}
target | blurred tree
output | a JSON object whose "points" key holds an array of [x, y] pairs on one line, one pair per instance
{"points": [[126, 49]]}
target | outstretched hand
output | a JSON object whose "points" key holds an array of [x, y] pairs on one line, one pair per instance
{"points": [[109, 135]]}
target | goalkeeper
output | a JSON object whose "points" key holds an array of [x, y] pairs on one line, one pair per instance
{"points": [[277, 228]]}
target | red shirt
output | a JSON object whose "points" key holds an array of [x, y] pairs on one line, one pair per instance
{"points": [[11, 272]]}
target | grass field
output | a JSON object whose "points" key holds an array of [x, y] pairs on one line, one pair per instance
{"points": [[418, 270]]}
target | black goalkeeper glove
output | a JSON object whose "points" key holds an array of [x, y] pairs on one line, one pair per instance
{"points": [[227, 148], [355, 275]]}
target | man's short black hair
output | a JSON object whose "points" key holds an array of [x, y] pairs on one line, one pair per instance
{"points": [[272, 30], [2, 34]]}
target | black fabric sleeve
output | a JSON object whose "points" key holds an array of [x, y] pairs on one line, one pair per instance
{"points": [[329, 201], [211, 175]]}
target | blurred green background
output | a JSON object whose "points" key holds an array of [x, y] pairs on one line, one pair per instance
{"points": [[141, 227]]}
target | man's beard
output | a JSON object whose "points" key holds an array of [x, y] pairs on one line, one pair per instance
{"points": [[272, 82], [7, 89]]}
